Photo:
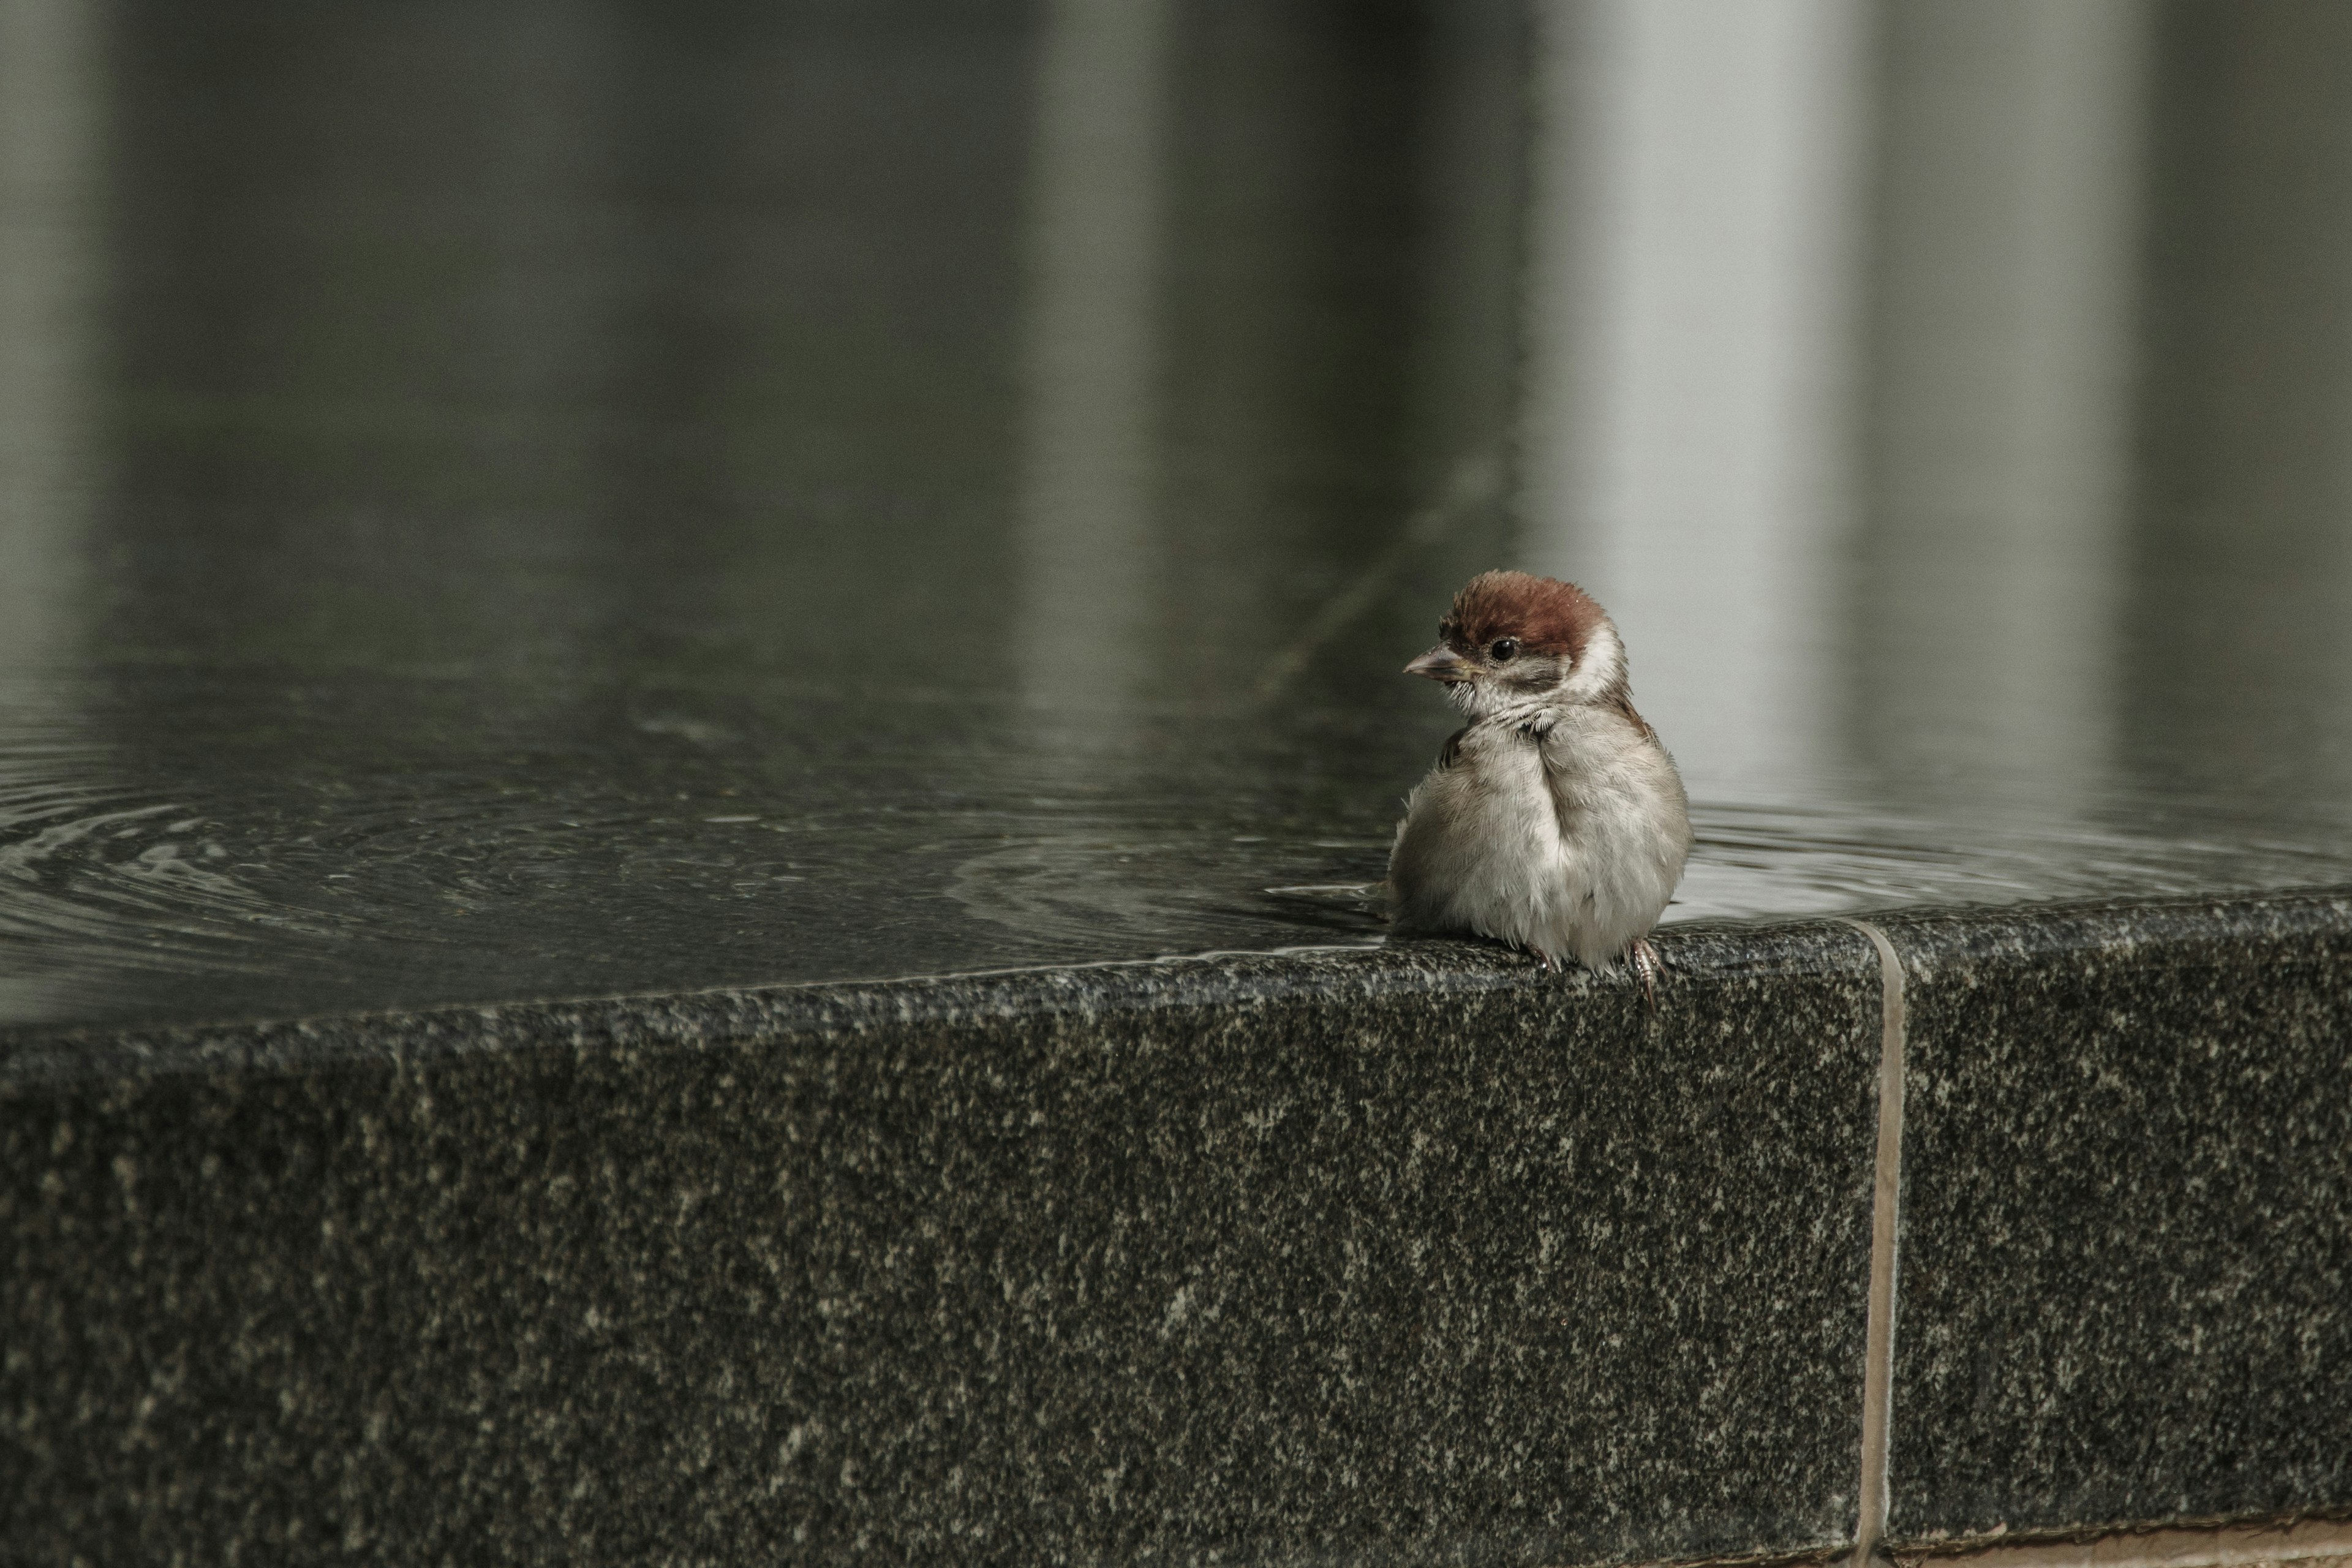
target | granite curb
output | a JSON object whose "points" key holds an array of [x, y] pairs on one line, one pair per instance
{"points": [[1407, 1254], [2127, 1218], [1413, 1256]]}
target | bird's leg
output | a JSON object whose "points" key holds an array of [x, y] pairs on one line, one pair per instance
{"points": [[1648, 967]]}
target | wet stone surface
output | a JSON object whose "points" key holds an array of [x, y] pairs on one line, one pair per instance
{"points": [[2127, 1241], [277, 844], [1390, 1257]]}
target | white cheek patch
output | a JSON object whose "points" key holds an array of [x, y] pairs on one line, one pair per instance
{"points": [[1602, 667]]}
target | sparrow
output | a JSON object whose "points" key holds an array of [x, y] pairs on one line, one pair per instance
{"points": [[1554, 819]]}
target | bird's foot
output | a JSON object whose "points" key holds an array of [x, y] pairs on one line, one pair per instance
{"points": [[1648, 968]]}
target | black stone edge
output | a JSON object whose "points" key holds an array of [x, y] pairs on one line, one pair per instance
{"points": [[2222, 929], [2171, 929], [706, 1019], [2117, 929], [1947, 1549]]}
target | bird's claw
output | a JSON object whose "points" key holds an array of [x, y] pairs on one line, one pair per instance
{"points": [[1647, 967]]}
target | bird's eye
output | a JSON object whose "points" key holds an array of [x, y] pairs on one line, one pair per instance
{"points": [[1503, 648]]}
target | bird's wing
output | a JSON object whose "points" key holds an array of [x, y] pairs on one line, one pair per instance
{"points": [[1622, 701]]}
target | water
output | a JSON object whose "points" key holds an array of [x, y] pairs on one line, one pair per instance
{"points": [[521, 501]]}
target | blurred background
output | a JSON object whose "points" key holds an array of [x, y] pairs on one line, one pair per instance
{"points": [[526, 497]]}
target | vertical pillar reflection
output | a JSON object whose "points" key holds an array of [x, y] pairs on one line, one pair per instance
{"points": [[1092, 351], [2240, 621], [382, 282], [1471, 153], [49, 267], [2001, 364], [1696, 190]]}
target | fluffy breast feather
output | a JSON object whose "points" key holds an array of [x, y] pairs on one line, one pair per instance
{"points": [[1568, 843]]}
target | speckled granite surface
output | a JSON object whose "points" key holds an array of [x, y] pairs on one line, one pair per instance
{"points": [[1410, 1256], [2127, 1241], [1400, 1257]]}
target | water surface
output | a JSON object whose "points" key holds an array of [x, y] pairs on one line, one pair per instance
{"points": [[530, 500]]}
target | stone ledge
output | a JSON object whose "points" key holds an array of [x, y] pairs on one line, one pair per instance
{"points": [[2125, 1256], [1380, 1256], [1411, 1255]]}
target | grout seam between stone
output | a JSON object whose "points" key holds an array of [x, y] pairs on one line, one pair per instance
{"points": [[1886, 1208]]}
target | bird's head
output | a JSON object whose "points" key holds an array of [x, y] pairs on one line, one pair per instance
{"points": [[1513, 641]]}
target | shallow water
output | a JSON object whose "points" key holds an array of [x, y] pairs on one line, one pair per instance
{"points": [[271, 844], [514, 502]]}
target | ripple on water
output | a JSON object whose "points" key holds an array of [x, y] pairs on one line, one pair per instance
{"points": [[724, 857], [1756, 860], [107, 873]]}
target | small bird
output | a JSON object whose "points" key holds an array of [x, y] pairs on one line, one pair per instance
{"points": [[1554, 820]]}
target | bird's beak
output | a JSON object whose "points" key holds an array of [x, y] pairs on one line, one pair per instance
{"points": [[1441, 663]]}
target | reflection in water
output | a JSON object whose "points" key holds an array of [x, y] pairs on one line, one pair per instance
{"points": [[52, 268], [1998, 393], [52, 262], [524, 500], [1687, 385], [816, 440], [1096, 236], [2240, 597]]}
